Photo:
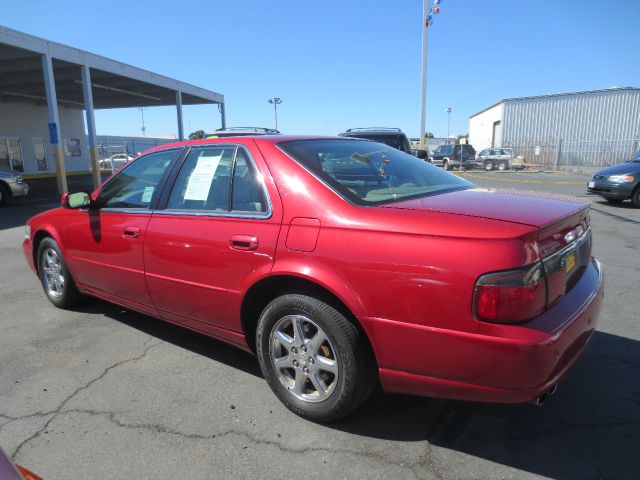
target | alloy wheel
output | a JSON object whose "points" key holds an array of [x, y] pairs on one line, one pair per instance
{"points": [[53, 273], [303, 358]]}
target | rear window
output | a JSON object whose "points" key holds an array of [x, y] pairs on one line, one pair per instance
{"points": [[370, 173]]}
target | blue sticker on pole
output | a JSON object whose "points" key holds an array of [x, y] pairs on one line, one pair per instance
{"points": [[53, 134]]}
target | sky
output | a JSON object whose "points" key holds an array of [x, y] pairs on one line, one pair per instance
{"points": [[344, 64]]}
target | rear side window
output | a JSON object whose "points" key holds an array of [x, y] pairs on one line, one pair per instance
{"points": [[368, 173], [218, 179]]}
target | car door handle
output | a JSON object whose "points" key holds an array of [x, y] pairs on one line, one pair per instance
{"points": [[243, 242], [131, 232]]}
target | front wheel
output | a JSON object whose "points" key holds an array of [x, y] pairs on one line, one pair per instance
{"points": [[635, 197], [55, 277], [488, 166], [445, 165], [314, 359]]}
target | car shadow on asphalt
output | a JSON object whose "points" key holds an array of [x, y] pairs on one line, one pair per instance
{"points": [[179, 336], [590, 428]]}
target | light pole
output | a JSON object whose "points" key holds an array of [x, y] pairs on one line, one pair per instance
{"points": [[427, 14], [143, 128], [448, 124], [275, 101]]}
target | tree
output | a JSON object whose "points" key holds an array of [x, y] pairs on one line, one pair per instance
{"points": [[197, 135], [465, 136], [428, 135]]}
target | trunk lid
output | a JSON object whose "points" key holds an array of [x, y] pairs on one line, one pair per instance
{"points": [[536, 209]]}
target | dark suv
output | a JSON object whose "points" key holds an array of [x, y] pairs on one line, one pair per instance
{"points": [[449, 156], [389, 136]]}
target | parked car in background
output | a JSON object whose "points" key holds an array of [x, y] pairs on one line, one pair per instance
{"points": [[12, 185], [394, 137], [618, 183], [242, 132], [114, 162], [499, 159], [453, 156], [341, 263]]}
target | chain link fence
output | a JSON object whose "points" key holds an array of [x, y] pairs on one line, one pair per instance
{"points": [[581, 155], [111, 146]]}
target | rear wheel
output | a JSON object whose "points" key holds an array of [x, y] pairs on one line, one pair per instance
{"points": [[502, 166], [488, 166], [635, 197], [5, 194], [313, 358], [55, 277]]}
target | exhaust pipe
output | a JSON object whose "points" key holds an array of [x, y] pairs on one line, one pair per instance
{"points": [[541, 399]]}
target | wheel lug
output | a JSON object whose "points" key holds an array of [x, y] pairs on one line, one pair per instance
{"points": [[294, 350], [295, 363], [305, 369], [311, 360], [303, 348]]}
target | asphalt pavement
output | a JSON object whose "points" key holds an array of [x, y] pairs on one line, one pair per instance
{"points": [[101, 392]]}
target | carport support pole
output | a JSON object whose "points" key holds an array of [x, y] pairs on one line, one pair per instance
{"points": [[423, 104], [179, 111], [91, 125], [54, 122], [223, 116]]}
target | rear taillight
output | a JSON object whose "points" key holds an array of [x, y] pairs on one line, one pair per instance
{"points": [[452, 157], [511, 296]]}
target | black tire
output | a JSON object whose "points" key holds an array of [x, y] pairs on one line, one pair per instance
{"points": [[62, 291], [614, 200], [502, 166], [5, 194], [635, 197], [488, 166], [354, 363], [445, 165]]}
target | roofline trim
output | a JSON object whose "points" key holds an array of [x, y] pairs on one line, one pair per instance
{"points": [[59, 51], [512, 99]]}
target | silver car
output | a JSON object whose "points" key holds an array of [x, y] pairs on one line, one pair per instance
{"points": [[499, 159], [11, 185]]}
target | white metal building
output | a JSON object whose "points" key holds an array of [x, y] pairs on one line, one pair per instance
{"points": [[596, 128], [48, 92]]}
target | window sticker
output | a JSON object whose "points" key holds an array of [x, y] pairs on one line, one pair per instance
{"points": [[147, 194], [201, 178]]}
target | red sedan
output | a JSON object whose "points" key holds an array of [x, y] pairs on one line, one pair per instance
{"points": [[340, 263]]}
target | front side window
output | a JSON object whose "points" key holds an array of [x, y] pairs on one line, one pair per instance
{"points": [[218, 179], [368, 173], [134, 186]]}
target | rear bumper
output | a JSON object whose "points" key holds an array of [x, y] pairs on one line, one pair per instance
{"points": [[502, 363]]}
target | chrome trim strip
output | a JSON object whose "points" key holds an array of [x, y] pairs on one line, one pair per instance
{"points": [[125, 210], [195, 213]]}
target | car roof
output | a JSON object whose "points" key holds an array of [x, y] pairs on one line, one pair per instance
{"points": [[274, 139]]}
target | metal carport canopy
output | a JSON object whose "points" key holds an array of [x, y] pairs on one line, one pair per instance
{"points": [[40, 71]]}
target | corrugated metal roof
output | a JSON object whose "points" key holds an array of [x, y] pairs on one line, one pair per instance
{"points": [[586, 92]]}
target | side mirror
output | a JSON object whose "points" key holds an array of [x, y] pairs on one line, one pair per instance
{"points": [[76, 200]]}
